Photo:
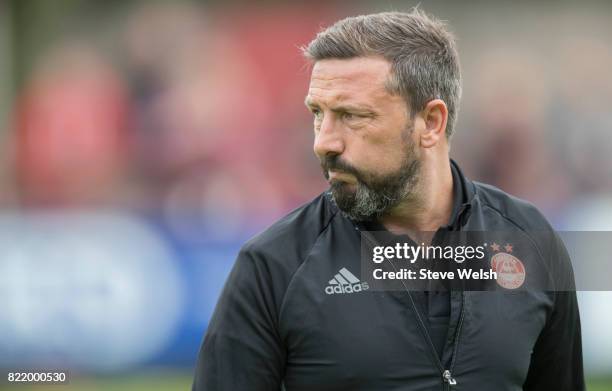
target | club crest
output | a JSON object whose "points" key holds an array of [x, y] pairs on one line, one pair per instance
{"points": [[510, 270]]}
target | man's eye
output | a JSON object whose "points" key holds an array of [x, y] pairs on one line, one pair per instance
{"points": [[317, 114], [349, 116]]}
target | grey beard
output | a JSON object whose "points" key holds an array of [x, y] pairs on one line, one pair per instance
{"points": [[376, 198]]}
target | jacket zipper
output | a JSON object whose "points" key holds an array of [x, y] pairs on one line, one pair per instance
{"points": [[448, 379], [458, 334], [447, 375]]}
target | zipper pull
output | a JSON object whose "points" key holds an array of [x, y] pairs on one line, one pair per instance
{"points": [[448, 378]]}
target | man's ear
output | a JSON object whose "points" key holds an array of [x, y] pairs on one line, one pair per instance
{"points": [[435, 117]]}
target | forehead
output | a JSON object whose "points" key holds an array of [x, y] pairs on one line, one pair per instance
{"points": [[356, 79]]}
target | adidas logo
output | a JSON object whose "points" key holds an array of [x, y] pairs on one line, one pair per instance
{"points": [[345, 282]]}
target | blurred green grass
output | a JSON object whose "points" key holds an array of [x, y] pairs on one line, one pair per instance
{"points": [[171, 380], [599, 385], [154, 380]]}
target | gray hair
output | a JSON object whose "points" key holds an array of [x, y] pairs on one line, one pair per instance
{"points": [[422, 52]]}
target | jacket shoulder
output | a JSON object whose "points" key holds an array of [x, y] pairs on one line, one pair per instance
{"points": [[291, 238], [268, 262], [521, 213]]}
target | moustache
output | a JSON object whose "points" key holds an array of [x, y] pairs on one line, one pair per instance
{"points": [[333, 162]]}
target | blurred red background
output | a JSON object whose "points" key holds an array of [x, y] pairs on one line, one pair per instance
{"points": [[192, 112]]}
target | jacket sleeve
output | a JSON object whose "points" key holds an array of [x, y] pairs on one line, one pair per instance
{"points": [[556, 362], [242, 349]]}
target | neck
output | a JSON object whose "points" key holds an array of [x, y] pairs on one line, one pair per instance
{"points": [[431, 205]]}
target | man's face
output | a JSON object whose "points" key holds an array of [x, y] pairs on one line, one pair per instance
{"points": [[364, 136]]}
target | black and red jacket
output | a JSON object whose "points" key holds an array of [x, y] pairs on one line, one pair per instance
{"points": [[275, 326]]}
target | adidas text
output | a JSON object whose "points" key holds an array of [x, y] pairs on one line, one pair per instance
{"points": [[345, 282]]}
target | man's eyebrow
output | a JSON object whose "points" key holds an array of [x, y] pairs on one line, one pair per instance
{"points": [[341, 107], [349, 107]]}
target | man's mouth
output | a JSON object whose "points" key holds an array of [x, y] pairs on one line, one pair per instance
{"points": [[340, 176]]}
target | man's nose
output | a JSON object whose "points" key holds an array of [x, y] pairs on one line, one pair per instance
{"points": [[328, 140]]}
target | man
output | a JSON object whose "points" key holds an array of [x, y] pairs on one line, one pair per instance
{"points": [[384, 92]]}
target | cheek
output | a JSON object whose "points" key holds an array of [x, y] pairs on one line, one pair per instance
{"points": [[381, 146], [376, 155]]}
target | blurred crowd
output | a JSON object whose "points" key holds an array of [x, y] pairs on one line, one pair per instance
{"points": [[196, 112], [191, 112], [189, 116]]}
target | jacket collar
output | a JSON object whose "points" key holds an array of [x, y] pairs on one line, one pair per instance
{"points": [[463, 197]]}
